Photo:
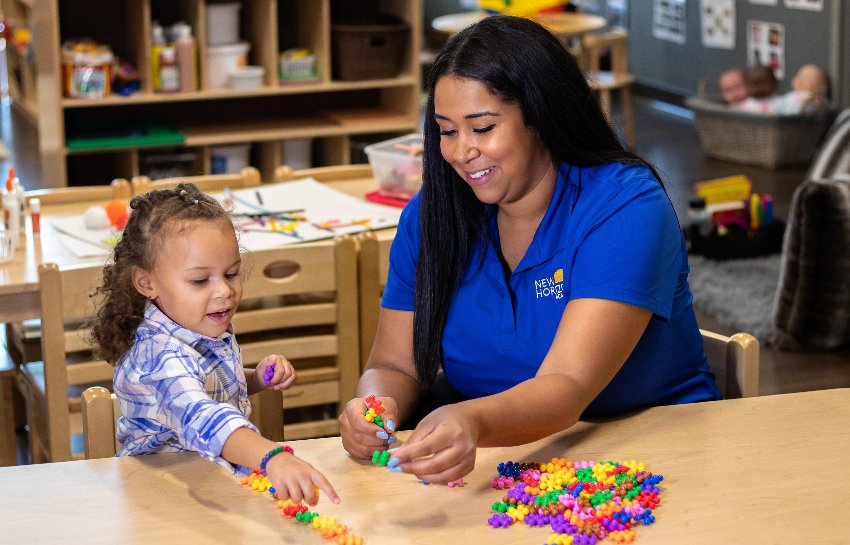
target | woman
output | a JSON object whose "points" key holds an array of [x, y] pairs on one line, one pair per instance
{"points": [[541, 266]]}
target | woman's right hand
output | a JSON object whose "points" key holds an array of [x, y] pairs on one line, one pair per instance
{"points": [[295, 479], [362, 438]]}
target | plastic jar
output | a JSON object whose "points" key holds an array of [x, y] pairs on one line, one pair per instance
{"points": [[86, 69]]}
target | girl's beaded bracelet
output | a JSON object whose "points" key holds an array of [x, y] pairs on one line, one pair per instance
{"points": [[274, 452]]}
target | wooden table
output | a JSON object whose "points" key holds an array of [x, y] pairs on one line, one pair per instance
{"points": [[565, 25], [761, 470], [19, 299]]}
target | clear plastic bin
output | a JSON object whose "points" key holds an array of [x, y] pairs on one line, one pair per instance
{"points": [[397, 164]]}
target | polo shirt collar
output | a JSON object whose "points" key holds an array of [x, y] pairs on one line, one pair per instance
{"points": [[550, 235]]}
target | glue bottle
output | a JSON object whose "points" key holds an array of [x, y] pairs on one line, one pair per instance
{"points": [[35, 217], [12, 211]]}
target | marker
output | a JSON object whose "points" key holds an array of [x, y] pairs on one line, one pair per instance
{"points": [[767, 205], [259, 197]]}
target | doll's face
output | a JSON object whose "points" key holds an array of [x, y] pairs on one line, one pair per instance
{"points": [[732, 86], [810, 78]]}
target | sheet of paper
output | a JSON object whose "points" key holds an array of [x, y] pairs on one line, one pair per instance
{"points": [[81, 240]]}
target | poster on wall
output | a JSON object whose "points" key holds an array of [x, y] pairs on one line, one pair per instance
{"points": [[811, 5], [668, 20], [766, 45], [718, 23]]}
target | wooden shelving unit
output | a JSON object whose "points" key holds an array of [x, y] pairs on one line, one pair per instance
{"points": [[328, 110]]}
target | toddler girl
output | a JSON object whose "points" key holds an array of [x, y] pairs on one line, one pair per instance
{"points": [[168, 299]]}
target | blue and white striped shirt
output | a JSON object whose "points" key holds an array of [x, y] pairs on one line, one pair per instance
{"points": [[180, 391]]}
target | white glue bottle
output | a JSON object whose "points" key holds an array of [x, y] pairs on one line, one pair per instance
{"points": [[12, 211]]}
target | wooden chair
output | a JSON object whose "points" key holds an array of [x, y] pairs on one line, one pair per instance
{"points": [[285, 173], [373, 264], [23, 338], [10, 412], [300, 301], [594, 46], [734, 361], [247, 177], [100, 410], [51, 387], [118, 189]]}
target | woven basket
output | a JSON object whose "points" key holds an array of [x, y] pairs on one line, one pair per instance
{"points": [[766, 140]]}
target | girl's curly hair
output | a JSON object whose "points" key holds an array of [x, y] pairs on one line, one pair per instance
{"points": [[154, 216]]}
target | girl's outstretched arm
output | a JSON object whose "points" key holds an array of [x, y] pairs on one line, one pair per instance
{"points": [[292, 477]]}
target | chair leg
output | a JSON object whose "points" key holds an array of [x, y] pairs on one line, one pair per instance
{"points": [[8, 439], [628, 116], [605, 103]]}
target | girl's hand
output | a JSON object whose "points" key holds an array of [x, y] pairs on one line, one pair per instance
{"points": [[442, 448], [283, 377], [360, 437], [297, 480]]}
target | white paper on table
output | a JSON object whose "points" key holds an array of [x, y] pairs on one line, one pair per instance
{"points": [[320, 204], [81, 240]]}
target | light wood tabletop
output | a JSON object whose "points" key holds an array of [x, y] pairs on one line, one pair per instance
{"points": [[19, 298], [769, 469], [565, 25]]}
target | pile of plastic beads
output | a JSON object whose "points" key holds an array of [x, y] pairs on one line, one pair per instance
{"points": [[374, 410], [327, 526], [268, 374], [583, 502]]}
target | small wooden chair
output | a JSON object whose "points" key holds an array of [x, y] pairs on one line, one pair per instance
{"points": [[22, 338], [100, 409], [247, 177], [604, 82], [118, 189], [285, 173], [734, 361], [9, 413], [50, 387], [300, 301], [373, 264]]}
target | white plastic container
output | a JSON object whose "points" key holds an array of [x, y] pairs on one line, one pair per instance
{"points": [[223, 23], [230, 159], [397, 164], [247, 77], [297, 153], [222, 60]]}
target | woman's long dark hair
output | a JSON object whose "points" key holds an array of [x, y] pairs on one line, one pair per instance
{"points": [[522, 63]]}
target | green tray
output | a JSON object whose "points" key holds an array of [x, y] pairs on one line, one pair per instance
{"points": [[155, 134]]}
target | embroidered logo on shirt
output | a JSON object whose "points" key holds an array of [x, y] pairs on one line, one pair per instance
{"points": [[550, 286]]}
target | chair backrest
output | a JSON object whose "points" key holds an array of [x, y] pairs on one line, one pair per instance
{"points": [[118, 189], [66, 351], [300, 301], [734, 361], [285, 173], [594, 46], [100, 418], [833, 158], [373, 262], [247, 177]]}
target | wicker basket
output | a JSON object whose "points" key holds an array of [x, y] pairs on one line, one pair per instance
{"points": [[766, 140]]}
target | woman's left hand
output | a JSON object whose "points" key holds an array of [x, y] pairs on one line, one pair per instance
{"points": [[443, 446]]}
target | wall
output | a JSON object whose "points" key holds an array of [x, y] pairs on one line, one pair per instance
{"points": [[810, 36]]}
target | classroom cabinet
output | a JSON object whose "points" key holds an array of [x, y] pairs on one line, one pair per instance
{"points": [[332, 113]]}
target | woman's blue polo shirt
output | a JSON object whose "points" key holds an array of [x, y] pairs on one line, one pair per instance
{"points": [[610, 232]]}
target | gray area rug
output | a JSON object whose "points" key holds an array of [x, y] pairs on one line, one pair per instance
{"points": [[739, 292]]}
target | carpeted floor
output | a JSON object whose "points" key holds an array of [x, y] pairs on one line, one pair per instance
{"points": [[737, 292]]}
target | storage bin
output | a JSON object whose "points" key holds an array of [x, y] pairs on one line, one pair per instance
{"points": [[222, 60], [368, 47], [765, 140], [397, 164], [223, 23], [230, 159], [247, 77], [158, 165], [297, 66], [297, 153]]}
